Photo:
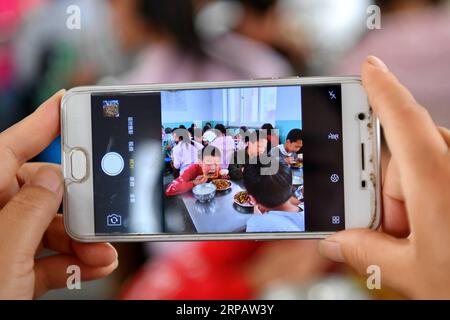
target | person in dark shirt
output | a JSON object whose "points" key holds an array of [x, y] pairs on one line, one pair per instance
{"points": [[272, 138], [256, 145]]}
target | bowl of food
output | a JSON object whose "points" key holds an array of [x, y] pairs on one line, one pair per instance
{"points": [[221, 184], [204, 192], [224, 173]]}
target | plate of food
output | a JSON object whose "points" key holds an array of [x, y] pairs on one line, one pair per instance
{"points": [[243, 199], [221, 184]]}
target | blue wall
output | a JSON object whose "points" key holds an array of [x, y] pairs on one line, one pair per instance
{"points": [[201, 106], [289, 110], [284, 126], [187, 107]]}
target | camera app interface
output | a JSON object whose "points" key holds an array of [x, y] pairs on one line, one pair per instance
{"points": [[228, 160]]}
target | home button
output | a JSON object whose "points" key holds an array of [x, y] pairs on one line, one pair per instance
{"points": [[78, 164]]}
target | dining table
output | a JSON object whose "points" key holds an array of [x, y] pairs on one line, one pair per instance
{"points": [[222, 214]]}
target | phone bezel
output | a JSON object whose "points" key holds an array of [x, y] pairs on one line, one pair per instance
{"points": [[76, 135]]}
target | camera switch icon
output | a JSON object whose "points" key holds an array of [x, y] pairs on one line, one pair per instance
{"points": [[114, 220]]}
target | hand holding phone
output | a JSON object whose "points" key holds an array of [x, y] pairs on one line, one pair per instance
{"points": [[414, 240], [406, 207], [30, 195]]}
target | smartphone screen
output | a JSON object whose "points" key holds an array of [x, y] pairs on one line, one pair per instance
{"points": [[191, 161]]}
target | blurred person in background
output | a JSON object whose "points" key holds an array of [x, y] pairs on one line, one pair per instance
{"points": [[11, 15], [262, 21], [46, 55], [169, 49], [253, 35], [415, 42]]}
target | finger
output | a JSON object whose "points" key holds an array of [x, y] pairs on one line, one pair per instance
{"points": [[361, 248], [95, 254], [28, 138], [26, 171], [410, 131], [52, 272], [395, 217], [25, 218], [445, 135], [91, 254]]}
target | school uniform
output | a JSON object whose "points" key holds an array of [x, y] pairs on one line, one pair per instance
{"points": [[185, 154], [276, 221]]}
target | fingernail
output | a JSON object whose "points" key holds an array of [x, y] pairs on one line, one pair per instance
{"points": [[60, 93], [116, 264], [377, 63], [331, 250], [114, 249], [47, 179]]}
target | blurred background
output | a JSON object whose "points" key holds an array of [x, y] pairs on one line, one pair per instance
{"points": [[43, 47]]}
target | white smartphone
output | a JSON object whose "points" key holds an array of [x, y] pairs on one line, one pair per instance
{"points": [[158, 162]]}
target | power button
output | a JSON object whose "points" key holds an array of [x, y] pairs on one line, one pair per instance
{"points": [[78, 164]]}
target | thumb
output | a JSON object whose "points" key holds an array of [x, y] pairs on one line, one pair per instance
{"points": [[361, 248], [25, 218]]}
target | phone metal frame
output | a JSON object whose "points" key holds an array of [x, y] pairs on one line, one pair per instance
{"points": [[86, 204]]}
